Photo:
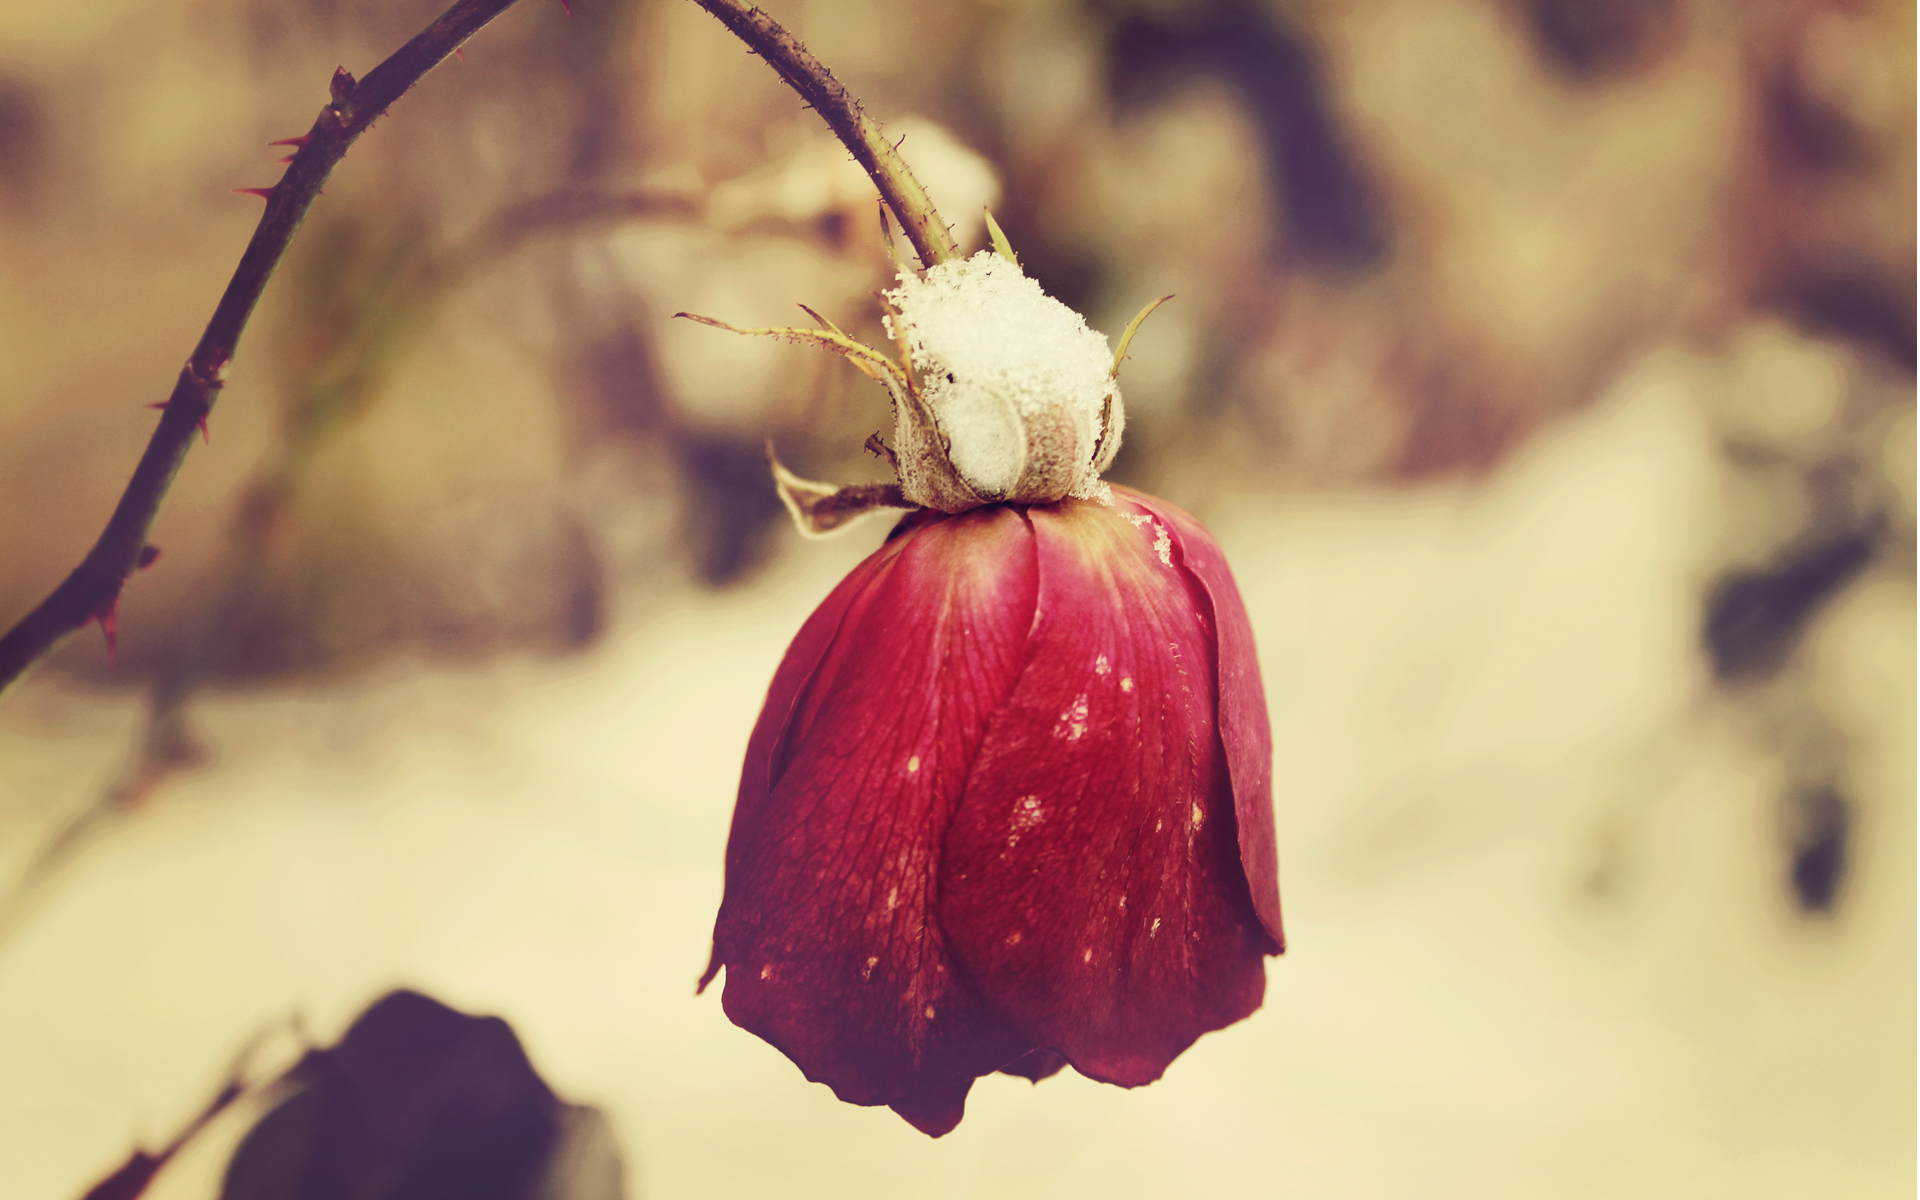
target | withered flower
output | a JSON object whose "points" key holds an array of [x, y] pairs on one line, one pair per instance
{"points": [[1008, 805]]}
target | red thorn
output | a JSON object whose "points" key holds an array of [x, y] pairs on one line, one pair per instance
{"points": [[148, 555], [205, 437], [568, 5], [108, 615], [302, 140], [458, 55], [287, 159], [263, 193]]}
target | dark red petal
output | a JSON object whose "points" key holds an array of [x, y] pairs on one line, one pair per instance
{"points": [[1244, 728], [1041, 1064], [1091, 882], [852, 773]]}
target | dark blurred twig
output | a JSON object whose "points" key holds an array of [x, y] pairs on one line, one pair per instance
{"points": [[131, 1178], [93, 588], [856, 130]]}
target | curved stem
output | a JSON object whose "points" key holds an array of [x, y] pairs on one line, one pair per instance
{"points": [[94, 586], [856, 130]]}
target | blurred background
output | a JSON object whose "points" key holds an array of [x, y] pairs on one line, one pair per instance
{"points": [[1545, 367]]}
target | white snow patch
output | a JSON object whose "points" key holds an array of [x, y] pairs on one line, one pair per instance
{"points": [[1015, 378]]}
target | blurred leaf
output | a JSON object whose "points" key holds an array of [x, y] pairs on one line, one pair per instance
{"points": [[421, 1102], [586, 1165]]}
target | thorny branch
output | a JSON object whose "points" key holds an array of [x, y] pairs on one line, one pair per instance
{"points": [[385, 328], [131, 1179], [93, 588], [856, 130]]}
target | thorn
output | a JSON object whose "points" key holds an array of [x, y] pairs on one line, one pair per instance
{"points": [[204, 436], [458, 55], [302, 140], [108, 615], [287, 159], [568, 5], [149, 553], [263, 193]]}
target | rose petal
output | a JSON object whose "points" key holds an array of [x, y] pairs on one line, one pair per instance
{"points": [[1041, 1064], [1244, 728], [826, 930], [1091, 879]]}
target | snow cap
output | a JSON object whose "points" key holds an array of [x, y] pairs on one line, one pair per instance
{"points": [[1020, 401]]}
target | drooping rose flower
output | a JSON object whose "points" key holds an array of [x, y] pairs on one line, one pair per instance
{"points": [[1008, 805]]}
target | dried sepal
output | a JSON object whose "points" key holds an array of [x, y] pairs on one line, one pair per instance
{"points": [[1001, 394], [920, 454], [1133, 327], [820, 509], [861, 355], [1001, 245]]}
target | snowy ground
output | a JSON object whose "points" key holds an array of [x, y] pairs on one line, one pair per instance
{"points": [[1539, 944]]}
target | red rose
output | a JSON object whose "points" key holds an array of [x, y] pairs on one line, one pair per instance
{"points": [[1007, 808]]}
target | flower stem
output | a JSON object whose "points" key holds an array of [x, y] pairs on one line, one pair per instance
{"points": [[856, 130], [95, 584]]}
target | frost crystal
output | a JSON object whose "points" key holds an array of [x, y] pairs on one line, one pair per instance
{"points": [[1021, 389]]}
